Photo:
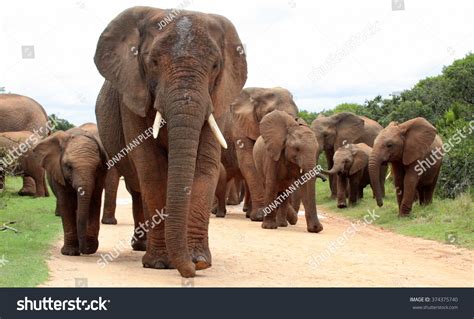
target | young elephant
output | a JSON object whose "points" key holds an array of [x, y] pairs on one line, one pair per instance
{"points": [[284, 152], [76, 162], [415, 152], [351, 170], [19, 145]]}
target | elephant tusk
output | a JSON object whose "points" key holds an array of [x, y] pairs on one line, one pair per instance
{"points": [[157, 124], [216, 131]]}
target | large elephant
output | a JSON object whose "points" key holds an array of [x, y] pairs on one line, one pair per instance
{"points": [[18, 148], [284, 152], [76, 162], [186, 75], [413, 149], [351, 170], [340, 129], [247, 112], [21, 113]]}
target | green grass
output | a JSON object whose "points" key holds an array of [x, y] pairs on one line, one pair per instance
{"points": [[436, 221], [26, 252]]}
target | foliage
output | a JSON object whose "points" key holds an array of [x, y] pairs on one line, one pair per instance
{"points": [[446, 101], [59, 123]]}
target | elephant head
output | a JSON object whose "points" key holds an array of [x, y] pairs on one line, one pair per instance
{"points": [[283, 135], [404, 143], [254, 103], [75, 160], [187, 73], [337, 130], [348, 160]]}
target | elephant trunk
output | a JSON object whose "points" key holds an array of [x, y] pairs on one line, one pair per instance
{"points": [[82, 218], [185, 120], [374, 173]]}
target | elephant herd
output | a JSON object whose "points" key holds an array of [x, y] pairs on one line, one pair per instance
{"points": [[184, 84]]}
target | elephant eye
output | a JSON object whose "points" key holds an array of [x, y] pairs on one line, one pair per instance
{"points": [[389, 145]]}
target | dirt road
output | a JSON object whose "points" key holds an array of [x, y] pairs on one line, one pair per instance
{"points": [[246, 255]]}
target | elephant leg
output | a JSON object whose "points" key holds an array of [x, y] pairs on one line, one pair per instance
{"points": [[220, 210], [139, 236], [29, 186], [409, 190], [233, 197], [202, 195], [398, 177], [269, 219], [112, 181], [247, 201], [247, 166], [40, 183], [341, 191], [281, 214], [45, 185], [354, 190], [296, 200], [291, 215], [153, 203]]}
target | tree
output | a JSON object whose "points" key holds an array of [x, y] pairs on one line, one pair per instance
{"points": [[59, 124]]}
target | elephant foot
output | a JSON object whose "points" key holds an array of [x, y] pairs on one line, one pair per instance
{"points": [[139, 244], [25, 193], [281, 218], [92, 244], [70, 250], [316, 228], [245, 209], [257, 216], [221, 213], [57, 213], [404, 214], [109, 220], [341, 205], [157, 260], [201, 256], [214, 210], [292, 216], [269, 224]]}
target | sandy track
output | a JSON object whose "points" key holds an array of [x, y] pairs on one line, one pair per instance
{"points": [[246, 255]]}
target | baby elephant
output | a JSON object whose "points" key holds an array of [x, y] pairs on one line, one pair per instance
{"points": [[76, 162], [351, 170], [285, 159]]}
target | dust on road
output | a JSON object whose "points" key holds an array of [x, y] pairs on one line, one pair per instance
{"points": [[245, 255]]}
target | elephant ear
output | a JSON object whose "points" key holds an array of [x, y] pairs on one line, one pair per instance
{"points": [[117, 58], [233, 74], [48, 153], [361, 160], [349, 128], [274, 128], [419, 135], [243, 113]]}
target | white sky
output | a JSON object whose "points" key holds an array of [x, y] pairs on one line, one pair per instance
{"points": [[285, 41]]}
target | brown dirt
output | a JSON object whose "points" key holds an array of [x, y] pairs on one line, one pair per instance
{"points": [[246, 255]]}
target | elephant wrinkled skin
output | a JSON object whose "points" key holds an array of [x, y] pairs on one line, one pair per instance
{"points": [[186, 74]]}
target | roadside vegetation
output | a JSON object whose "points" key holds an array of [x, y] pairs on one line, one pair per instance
{"points": [[23, 255]]}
